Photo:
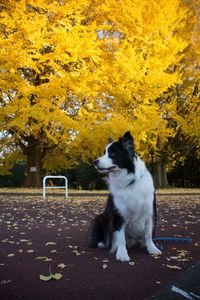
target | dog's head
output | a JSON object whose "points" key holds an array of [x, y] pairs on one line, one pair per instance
{"points": [[118, 155]]}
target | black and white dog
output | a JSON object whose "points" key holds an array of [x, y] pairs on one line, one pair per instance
{"points": [[130, 213]]}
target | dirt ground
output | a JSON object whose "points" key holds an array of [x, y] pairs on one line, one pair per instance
{"points": [[46, 237]]}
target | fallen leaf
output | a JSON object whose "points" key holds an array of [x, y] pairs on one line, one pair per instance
{"points": [[183, 259], [182, 252], [175, 257], [173, 267], [155, 256], [56, 276], [41, 257], [76, 252], [50, 243], [105, 260], [6, 281], [11, 255], [45, 278], [105, 266], [62, 266]]}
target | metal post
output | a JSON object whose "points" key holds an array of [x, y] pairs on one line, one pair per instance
{"points": [[56, 187]]}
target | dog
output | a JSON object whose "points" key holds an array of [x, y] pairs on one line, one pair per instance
{"points": [[129, 217]]}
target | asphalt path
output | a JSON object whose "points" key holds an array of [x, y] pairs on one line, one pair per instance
{"points": [[50, 238]]}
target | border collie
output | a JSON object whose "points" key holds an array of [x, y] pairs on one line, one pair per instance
{"points": [[130, 214]]}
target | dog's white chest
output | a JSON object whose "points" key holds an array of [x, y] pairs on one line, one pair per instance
{"points": [[126, 204]]}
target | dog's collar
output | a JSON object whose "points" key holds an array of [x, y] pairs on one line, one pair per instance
{"points": [[133, 180]]}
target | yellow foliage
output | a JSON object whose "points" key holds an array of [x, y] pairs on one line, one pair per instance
{"points": [[74, 73]]}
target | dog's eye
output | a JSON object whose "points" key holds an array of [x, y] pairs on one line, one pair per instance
{"points": [[112, 155]]}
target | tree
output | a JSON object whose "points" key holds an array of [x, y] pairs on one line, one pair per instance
{"points": [[181, 108], [79, 71], [43, 81]]}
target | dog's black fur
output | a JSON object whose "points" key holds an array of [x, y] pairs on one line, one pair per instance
{"points": [[105, 224]]}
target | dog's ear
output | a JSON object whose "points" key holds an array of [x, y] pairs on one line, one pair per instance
{"points": [[128, 144], [127, 141]]}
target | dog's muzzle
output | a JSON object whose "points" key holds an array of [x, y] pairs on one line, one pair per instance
{"points": [[103, 170]]}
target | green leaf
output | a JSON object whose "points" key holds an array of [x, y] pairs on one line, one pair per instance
{"points": [[45, 278], [56, 276]]}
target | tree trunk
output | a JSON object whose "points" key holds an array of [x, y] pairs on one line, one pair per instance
{"points": [[159, 174], [34, 164]]}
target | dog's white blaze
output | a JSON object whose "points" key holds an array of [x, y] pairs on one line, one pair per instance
{"points": [[104, 161]]}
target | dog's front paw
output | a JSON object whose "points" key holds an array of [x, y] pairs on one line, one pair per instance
{"points": [[122, 255], [153, 250]]}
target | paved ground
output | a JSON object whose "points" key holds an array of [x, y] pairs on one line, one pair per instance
{"points": [[187, 286], [37, 236]]}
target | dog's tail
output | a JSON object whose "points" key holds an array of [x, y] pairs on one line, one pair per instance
{"points": [[100, 231]]}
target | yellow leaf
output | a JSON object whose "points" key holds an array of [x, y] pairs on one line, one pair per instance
{"points": [[105, 266], [62, 266], [11, 255], [50, 243], [90, 106], [173, 267]]}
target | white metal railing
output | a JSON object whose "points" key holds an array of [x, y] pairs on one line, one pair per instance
{"points": [[55, 187]]}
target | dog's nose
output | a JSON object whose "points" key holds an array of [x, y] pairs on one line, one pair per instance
{"points": [[96, 161]]}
